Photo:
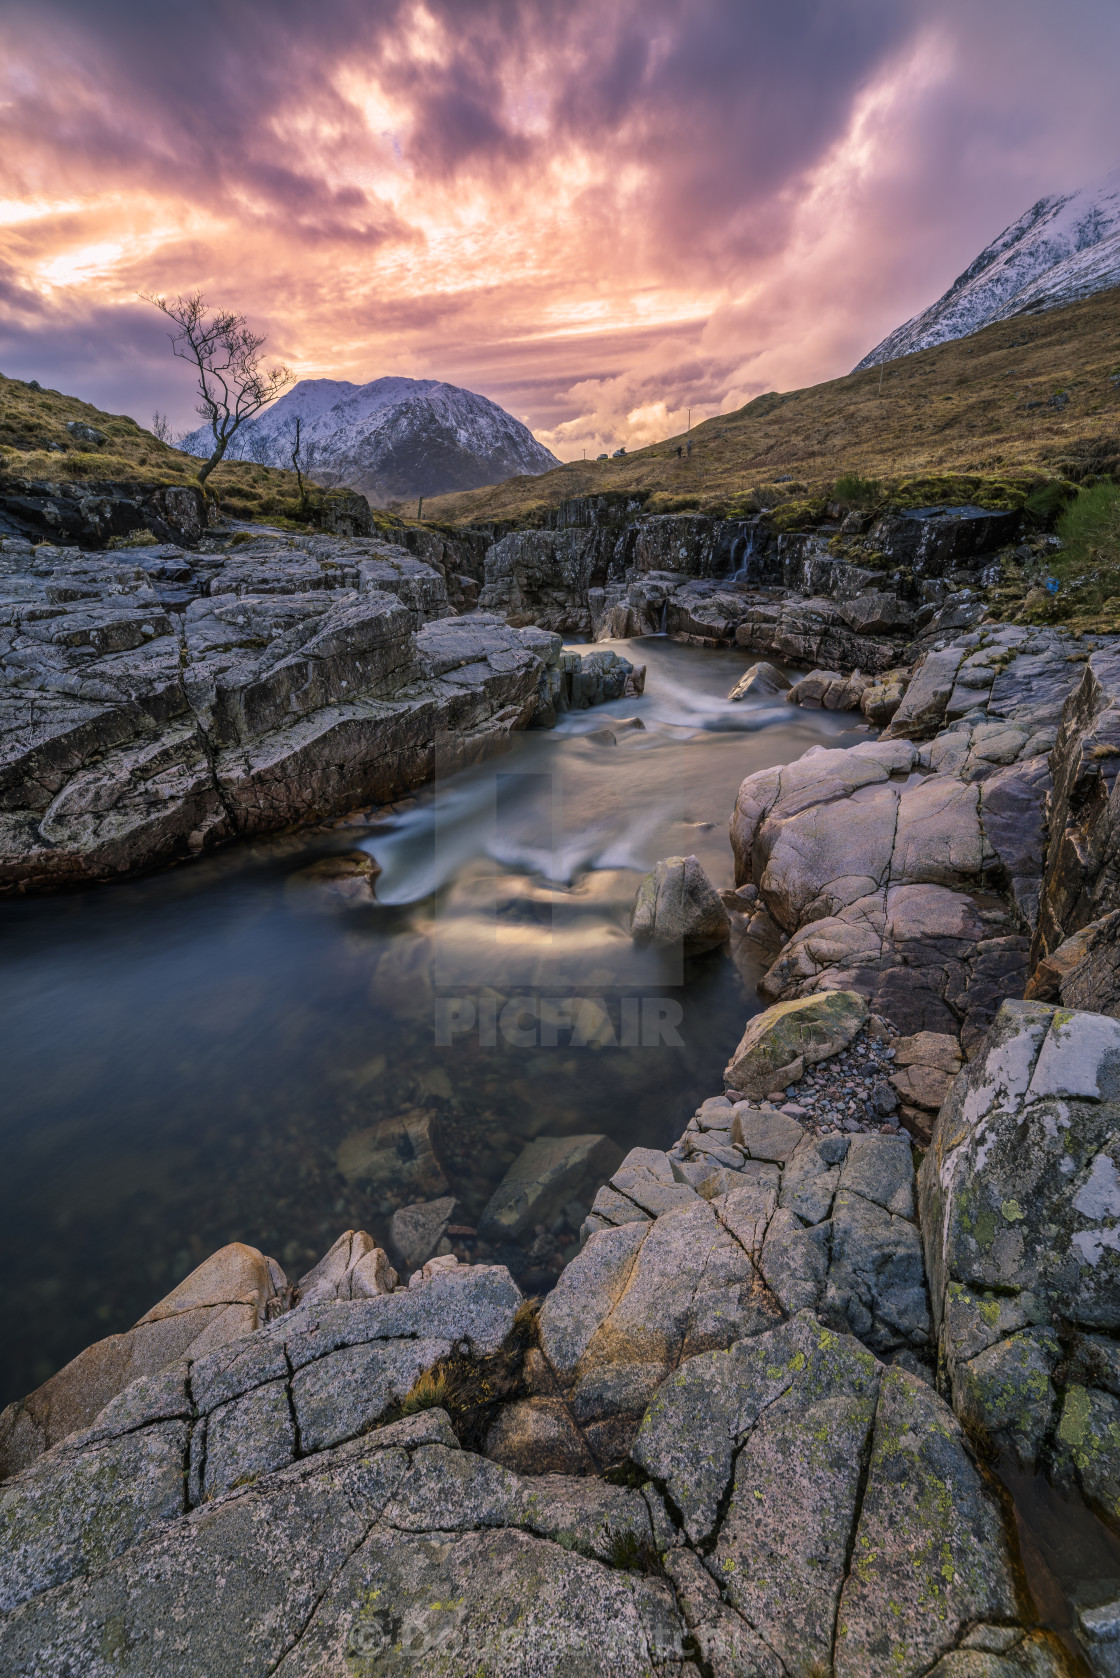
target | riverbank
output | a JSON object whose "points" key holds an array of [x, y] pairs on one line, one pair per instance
{"points": [[754, 1423]]}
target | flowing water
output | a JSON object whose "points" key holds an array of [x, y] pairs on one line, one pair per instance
{"points": [[222, 1052]]}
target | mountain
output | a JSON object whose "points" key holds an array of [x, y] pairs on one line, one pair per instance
{"points": [[1063, 248], [393, 439]]}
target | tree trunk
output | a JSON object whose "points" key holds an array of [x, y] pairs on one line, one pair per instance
{"points": [[208, 466]]}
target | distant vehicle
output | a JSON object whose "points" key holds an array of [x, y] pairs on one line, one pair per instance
{"points": [[616, 453], [600, 457]]}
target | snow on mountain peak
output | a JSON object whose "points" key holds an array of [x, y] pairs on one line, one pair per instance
{"points": [[393, 439], [1064, 247]]}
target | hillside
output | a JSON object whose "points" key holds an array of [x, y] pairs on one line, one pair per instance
{"points": [[1063, 248], [393, 439], [1038, 393], [35, 443]]}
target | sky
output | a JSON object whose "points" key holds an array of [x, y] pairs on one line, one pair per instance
{"points": [[599, 213]]}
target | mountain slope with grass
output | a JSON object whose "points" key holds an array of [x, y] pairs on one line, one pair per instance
{"points": [[48, 437], [1063, 248], [1039, 395]]}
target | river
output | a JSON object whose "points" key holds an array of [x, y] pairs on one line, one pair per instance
{"points": [[216, 1054]]}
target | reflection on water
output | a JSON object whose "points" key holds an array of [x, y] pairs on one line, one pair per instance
{"points": [[213, 1054]]}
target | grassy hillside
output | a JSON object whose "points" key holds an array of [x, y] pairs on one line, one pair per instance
{"points": [[1038, 394], [34, 443]]}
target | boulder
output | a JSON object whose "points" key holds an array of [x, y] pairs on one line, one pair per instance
{"points": [[549, 1172], [354, 1268], [881, 700], [678, 904], [763, 1447], [922, 710], [228, 1296], [761, 679], [416, 1231], [1020, 1198], [793, 1035], [828, 690]]}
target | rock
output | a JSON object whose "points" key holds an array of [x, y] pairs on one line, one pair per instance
{"points": [[538, 1436], [1084, 971], [922, 1086], [415, 1231], [878, 612], [294, 679], [879, 702], [770, 1439], [1098, 1632], [1020, 1195], [239, 1441], [354, 1268], [401, 1151], [922, 709], [930, 1048], [828, 690], [765, 1136], [335, 882], [875, 1286], [761, 678], [72, 1511], [807, 1029], [226, 1297], [677, 904], [549, 1172], [933, 1552]]}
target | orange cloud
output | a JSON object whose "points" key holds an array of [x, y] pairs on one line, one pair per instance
{"points": [[599, 216]]}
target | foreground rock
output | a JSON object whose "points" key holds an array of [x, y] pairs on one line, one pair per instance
{"points": [[314, 1533], [233, 1293], [678, 904], [1020, 1212]]}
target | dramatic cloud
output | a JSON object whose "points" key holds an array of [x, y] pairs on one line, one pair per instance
{"points": [[600, 216]]}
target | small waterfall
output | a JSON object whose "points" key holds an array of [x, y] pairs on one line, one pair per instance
{"points": [[743, 551]]}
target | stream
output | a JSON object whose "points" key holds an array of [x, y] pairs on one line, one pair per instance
{"points": [[217, 1052]]}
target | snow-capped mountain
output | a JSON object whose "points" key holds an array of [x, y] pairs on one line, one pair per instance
{"points": [[393, 439], [1065, 247]]}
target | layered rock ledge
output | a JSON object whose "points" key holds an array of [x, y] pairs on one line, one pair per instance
{"points": [[156, 702]]}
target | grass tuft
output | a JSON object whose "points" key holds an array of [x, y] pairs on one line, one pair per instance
{"points": [[850, 490], [431, 1390]]}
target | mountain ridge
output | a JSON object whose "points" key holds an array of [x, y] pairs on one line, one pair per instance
{"points": [[393, 438], [1064, 248]]}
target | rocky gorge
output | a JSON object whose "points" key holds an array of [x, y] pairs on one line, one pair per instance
{"points": [[777, 1414]]}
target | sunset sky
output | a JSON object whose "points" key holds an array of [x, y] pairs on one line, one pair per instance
{"points": [[598, 214]]}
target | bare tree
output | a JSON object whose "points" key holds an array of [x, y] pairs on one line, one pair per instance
{"points": [[293, 438], [232, 384], [161, 428], [255, 446]]}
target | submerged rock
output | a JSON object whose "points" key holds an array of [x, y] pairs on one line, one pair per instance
{"points": [[678, 904], [549, 1172]]}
